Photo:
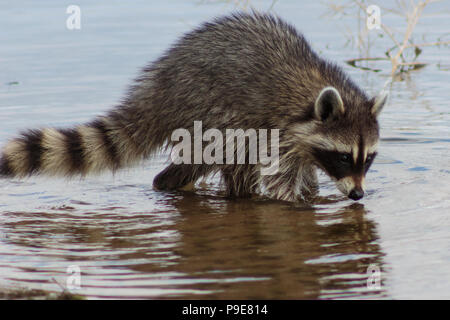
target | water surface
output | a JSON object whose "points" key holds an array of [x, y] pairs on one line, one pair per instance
{"points": [[130, 241]]}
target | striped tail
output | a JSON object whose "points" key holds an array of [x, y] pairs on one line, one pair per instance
{"points": [[104, 144]]}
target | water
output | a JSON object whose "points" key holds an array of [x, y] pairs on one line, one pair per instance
{"points": [[130, 241]]}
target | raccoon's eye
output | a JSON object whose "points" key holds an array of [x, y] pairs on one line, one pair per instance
{"points": [[344, 158], [370, 158], [369, 161]]}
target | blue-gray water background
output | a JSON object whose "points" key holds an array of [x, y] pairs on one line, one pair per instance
{"points": [[131, 241]]}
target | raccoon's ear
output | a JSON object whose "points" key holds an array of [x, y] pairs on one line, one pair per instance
{"points": [[378, 103], [328, 104]]}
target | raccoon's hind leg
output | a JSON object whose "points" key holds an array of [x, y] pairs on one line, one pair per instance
{"points": [[177, 176]]}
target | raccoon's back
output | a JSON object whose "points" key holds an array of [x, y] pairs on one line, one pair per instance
{"points": [[244, 62], [241, 71]]}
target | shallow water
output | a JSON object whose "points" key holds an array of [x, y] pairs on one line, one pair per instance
{"points": [[130, 241]]}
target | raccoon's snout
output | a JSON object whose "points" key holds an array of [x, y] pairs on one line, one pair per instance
{"points": [[356, 194], [351, 189]]}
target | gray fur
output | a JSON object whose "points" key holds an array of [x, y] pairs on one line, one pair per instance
{"points": [[240, 71]]}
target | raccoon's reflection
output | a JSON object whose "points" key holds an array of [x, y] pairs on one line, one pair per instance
{"points": [[267, 249]]}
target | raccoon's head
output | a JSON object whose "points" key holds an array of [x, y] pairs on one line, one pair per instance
{"points": [[345, 137]]}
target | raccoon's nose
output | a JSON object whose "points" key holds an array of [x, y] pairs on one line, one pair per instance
{"points": [[356, 194]]}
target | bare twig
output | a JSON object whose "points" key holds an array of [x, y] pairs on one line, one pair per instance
{"points": [[428, 44], [412, 21], [400, 61]]}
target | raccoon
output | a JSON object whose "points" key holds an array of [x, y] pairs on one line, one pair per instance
{"points": [[245, 70]]}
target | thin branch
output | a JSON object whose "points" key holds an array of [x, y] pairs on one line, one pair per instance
{"points": [[412, 21], [428, 44]]}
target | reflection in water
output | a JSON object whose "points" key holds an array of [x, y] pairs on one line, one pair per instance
{"points": [[202, 246], [298, 252]]}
